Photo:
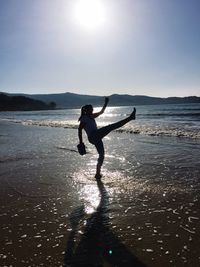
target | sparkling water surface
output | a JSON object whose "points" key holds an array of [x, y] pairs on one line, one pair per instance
{"points": [[144, 211]]}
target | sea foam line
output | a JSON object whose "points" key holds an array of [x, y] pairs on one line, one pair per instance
{"points": [[138, 129]]}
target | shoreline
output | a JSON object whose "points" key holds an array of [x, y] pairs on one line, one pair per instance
{"points": [[136, 130]]}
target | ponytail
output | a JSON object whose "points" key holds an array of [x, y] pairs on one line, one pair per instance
{"points": [[83, 112]]}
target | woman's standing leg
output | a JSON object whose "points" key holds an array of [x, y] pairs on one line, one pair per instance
{"points": [[100, 149]]}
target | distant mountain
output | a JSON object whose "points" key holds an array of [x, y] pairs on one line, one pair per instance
{"points": [[71, 100], [14, 103], [148, 100]]}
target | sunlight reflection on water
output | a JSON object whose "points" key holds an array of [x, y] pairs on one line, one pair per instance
{"points": [[89, 194]]}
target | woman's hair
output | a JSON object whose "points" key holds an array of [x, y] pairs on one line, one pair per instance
{"points": [[84, 110]]}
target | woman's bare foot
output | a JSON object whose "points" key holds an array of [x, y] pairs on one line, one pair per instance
{"points": [[132, 116]]}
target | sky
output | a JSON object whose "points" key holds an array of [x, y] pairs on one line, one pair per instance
{"points": [[100, 47]]}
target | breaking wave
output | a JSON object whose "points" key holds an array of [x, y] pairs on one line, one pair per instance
{"points": [[195, 114], [151, 130]]}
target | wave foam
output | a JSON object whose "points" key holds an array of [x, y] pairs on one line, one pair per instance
{"points": [[153, 130]]}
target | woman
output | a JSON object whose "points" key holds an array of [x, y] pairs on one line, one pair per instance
{"points": [[95, 135]]}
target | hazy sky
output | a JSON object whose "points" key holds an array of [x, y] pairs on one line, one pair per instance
{"points": [[145, 47]]}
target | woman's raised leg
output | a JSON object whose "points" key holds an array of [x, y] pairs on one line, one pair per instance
{"points": [[111, 127]]}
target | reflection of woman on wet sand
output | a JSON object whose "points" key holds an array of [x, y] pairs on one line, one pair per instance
{"points": [[95, 135], [98, 244]]}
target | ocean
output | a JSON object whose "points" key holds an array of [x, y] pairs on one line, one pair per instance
{"points": [[144, 211], [182, 120]]}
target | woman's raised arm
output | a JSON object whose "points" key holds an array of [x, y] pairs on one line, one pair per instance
{"points": [[95, 115]]}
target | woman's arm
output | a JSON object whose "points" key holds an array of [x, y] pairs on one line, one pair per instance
{"points": [[95, 115]]}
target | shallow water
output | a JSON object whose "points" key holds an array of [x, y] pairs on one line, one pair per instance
{"points": [[54, 213]]}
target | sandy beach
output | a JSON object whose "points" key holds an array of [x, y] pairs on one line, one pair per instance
{"points": [[54, 213]]}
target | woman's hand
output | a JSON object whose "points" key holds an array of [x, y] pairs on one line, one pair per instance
{"points": [[106, 100], [97, 114]]}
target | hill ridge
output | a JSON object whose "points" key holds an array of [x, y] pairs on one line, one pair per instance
{"points": [[74, 100]]}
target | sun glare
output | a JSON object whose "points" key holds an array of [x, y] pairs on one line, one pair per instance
{"points": [[90, 14]]}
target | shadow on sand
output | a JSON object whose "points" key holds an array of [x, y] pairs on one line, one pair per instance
{"points": [[96, 244]]}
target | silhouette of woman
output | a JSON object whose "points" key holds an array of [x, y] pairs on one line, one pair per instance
{"points": [[95, 135]]}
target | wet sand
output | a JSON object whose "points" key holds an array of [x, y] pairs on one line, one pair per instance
{"points": [[54, 213]]}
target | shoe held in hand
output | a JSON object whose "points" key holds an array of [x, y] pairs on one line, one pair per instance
{"points": [[81, 149]]}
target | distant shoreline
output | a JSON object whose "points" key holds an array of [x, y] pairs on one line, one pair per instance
{"points": [[72, 101], [23, 103]]}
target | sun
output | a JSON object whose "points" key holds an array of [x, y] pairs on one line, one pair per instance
{"points": [[90, 14]]}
